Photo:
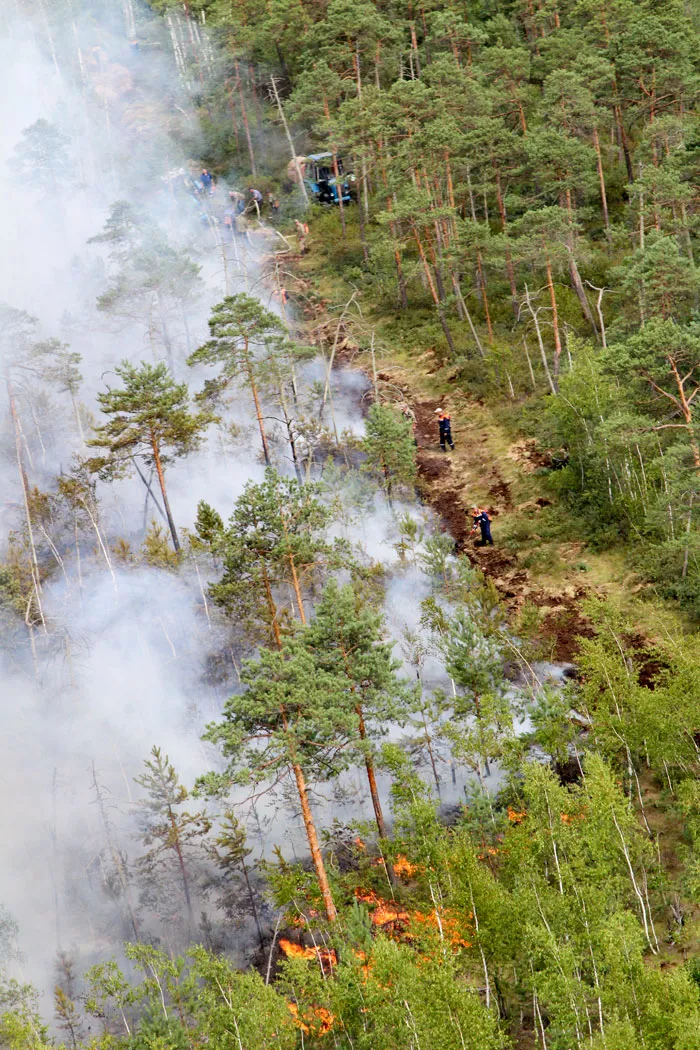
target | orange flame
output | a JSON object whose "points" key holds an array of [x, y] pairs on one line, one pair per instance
{"points": [[449, 923], [319, 1020], [298, 951], [368, 896], [516, 817], [362, 958], [403, 867], [386, 913], [569, 818]]}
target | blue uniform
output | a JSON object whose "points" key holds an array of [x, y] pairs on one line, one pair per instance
{"points": [[445, 424], [483, 521]]}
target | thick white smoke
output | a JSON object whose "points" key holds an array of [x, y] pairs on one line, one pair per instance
{"points": [[125, 660], [122, 664]]}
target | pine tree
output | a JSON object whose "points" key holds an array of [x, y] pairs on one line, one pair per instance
{"points": [[125, 228], [284, 722], [175, 836], [151, 281], [244, 336], [659, 279], [230, 851], [667, 357], [390, 450], [60, 366], [482, 720], [150, 419], [544, 237], [272, 546], [41, 157], [345, 638]]}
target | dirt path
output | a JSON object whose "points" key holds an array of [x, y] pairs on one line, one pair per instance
{"points": [[451, 482], [484, 469]]}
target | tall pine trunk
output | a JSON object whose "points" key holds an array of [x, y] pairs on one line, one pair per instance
{"points": [[555, 314], [177, 846], [371, 776], [246, 126], [433, 291], [403, 297], [316, 855], [164, 492], [36, 576], [307, 815], [484, 295], [601, 180], [258, 410], [576, 282], [510, 270]]}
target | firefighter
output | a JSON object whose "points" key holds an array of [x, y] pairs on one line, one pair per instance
{"points": [[256, 199], [445, 425], [481, 520], [237, 201], [207, 181], [302, 230]]}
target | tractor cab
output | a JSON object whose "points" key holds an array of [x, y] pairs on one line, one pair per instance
{"points": [[320, 178]]}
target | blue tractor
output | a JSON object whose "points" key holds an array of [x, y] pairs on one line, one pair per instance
{"points": [[320, 180]]}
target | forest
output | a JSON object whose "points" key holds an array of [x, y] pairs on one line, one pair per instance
{"points": [[297, 301]]}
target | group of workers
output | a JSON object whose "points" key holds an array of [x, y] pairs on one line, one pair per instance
{"points": [[234, 216], [238, 207], [481, 520]]}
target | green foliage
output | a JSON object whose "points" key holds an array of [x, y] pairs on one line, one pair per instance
{"points": [[151, 419], [20, 1023], [345, 639], [57, 362], [287, 715], [257, 1012], [403, 1003], [553, 728], [189, 1001], [389, 449], [410, 537], [239, 325], [156, 549], [149, 413], [275, 537], [151, 282], [11, 593], [172, 834], [249, 343]]}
